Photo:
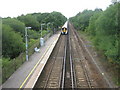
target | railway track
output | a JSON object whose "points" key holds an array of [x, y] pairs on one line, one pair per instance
{"points": [[51, 75], [82, 76], [69, 66], [67, 76], [92, 77]]}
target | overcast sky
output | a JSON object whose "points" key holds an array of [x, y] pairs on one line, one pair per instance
{"points": [[69, 8]]}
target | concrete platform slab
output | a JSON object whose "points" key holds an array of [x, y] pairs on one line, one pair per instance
{"points": [[41, 65]]}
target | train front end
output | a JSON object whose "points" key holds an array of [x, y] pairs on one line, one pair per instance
{"points": [[64, 29]]}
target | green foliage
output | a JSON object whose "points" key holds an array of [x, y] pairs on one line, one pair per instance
{"points": [[12, 42], [30, 21], [15, 24], [106, 32], [41, 17], [44, 32], [7, 69], [31, 42], [92, 23], [36, 19], [104, 29], [55, 18], [32, 34], [81, 20], [14, 30], [11, 65]]}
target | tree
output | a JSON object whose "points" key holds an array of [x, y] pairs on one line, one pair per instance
{"points": [[82, 19], [12, 44], [15, 24], [103, 28], [30, 21], [92, 22], [55, 18], [58, 19]]}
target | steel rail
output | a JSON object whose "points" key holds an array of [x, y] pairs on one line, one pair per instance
{"points": [[82, 62], [52, 67], [63, 69], [105, 77], [71, 62], [69, 55], [73, 67]]}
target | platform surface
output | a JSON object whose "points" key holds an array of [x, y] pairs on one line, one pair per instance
{"points": [[21, 77]]}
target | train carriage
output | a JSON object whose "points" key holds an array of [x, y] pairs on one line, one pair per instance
{"points": [[64, 29]]}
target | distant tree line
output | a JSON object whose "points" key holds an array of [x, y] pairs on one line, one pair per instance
{"points": [[13, 30]]}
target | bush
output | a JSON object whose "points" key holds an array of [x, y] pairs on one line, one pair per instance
{"points": [[32, 34]]}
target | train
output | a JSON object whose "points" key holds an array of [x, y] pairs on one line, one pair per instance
{"points": [[64, 29]]}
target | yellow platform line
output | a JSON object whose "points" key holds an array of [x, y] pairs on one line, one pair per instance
{"points": [[34, 68]]}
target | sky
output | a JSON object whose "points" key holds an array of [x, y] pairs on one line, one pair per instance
{"points": [[69, 8]]}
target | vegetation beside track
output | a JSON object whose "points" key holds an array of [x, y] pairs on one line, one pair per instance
{"points": [[102, 27]]}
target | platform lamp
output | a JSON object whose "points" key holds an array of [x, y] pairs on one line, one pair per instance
{"points": [[41, 28], [26, 38], [42, 39]]}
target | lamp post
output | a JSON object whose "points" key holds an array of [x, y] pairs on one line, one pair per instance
{"points": [[47, 30], [41, 39], [26, 35], [41, 28], [52, 27]]}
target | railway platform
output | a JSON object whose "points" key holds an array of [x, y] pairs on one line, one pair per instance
{"points": [[26, 75]]}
